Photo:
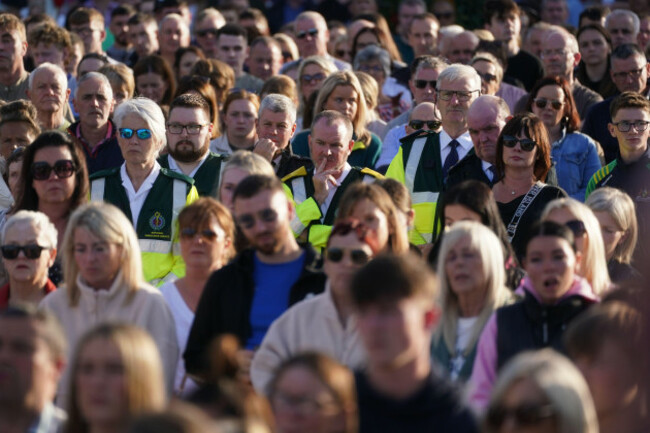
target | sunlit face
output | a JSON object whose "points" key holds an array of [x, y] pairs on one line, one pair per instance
{"points": [[525, 393], [14, 176], [593, 47], [458, 212], [120, 28], [462, 48], [302, 403], [98, 261], [185, 147], [330, 145], [612, 233], [233, 50], [173, 35], [94, 102], [631, 74], [101, 386], [423, 36], [517, 157], [340, 274], [454, 111], [621, 28], [240, 119], [89, 65], [484, 126], [551, 265], [534, 41], [277, 127], [138, 150], [92, 34], [427, 93], [43, 52], [316, 76], [343, 99], [311, 44], [265, 61], [644, 33], [54, 189], [151, 85], [144, 38], [374, 218], [76, 53], [49, 91], [12, 49], [14, 135], [633, 141], [489, 80], [366, 39], [206, 34], [549, 115], [562, 216], [203, 252], [188, 60], [505, 28], [22, 269], [464, 269], [229, 181], [557, 56]]}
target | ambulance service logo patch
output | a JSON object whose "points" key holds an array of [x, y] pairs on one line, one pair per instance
{"points": [[157, 221]]}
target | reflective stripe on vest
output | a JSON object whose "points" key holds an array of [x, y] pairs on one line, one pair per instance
{"points": [[179, 199], [97, 189], [422, 201], [155, 246], [411, 167], [298, 188]]}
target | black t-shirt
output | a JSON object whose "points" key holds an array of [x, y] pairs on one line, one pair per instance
{"points": [[436, 407], [526, 68]]}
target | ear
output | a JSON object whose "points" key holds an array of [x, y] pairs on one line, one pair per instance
{"points": [[410, 217], [350, 145], [432, 317], [210, 128], [578, 266], [612, 129], [103, 35], [291, 210], [293, 130], [576, 59], [52, 258], [67, 95], [24, 48]]}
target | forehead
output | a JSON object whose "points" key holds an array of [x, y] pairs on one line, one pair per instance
{"points": [[93, 85], [632, 62], [209, 22], [49, 76], [590, 34], [231, 40], [133, 120], [423, 24], [171, 24], [620, 21], [424, 111], [427, 74], [460, 83], [554, 40], [481, 115], [241, 105], [187, 113], [484, 66], [20, 230], [350, 240], [306, 24], [328, 132], [272, 116], [263, 200], [19, 328], [631, 114], [551, 89]]}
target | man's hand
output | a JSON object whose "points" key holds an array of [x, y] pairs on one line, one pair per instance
{"points": [[266, 149], [324, 181]]}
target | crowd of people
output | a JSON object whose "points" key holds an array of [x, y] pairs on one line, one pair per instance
{"points": [[334, 216]]}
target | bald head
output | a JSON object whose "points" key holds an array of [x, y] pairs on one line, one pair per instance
{"points": [[423, 113], [485, 119]]}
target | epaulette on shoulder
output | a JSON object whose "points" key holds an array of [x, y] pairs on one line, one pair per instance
{"points": [[105, 173], [372, 173], [170, 173], [604, 171], [302, 171]]}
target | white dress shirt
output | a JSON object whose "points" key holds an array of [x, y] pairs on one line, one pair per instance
{"points": [[136, 198]]}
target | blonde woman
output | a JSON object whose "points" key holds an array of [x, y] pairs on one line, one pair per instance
{"points": [[311, 73], [371, 93], [543, 392], [104, 283], [588, 239], [342, 92], [116, 375], [472, 286], [615, 212]]}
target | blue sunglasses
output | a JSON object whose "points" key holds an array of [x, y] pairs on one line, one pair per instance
{"points": [[142, 134]]}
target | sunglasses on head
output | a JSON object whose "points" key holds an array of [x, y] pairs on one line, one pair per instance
{"points": [[142, 134], [31, 251], [304, 33], [577, 227], [422, 84], [542, 102], [526, 143], [63, 168], [419, 124], [524, 415], [204, 33], [247, 221], [207, 234], [357, 256]]}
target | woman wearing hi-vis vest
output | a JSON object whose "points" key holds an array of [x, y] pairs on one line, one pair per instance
{"points": [[150, 196]]}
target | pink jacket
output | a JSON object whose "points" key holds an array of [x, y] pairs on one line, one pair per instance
{"points": [[484, 373]]}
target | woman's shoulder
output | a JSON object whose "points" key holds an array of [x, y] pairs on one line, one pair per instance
{"points": [[55, 299], [552, 192], [579, 137]]}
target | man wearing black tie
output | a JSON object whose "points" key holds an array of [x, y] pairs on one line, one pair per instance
{"points": [[485, 118]]}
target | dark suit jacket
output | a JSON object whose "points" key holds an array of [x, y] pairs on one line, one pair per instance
{"points": [[595, 126], [467, 168]]}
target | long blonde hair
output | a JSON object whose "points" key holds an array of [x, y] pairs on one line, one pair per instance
{"points": [[109, 224], [594, 262], [143, 372], [489, 248], [346, 78]]}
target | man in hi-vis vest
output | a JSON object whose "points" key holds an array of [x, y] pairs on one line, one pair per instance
{"points": [[424, 158], [316, 192]]}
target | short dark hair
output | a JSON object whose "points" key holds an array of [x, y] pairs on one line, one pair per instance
{"points": [[123, 9], [593, 13], [84, 15], [232, 30], [625, 51], [628, 100], [141, 18], [549, 228], [498, 8], [392, 278], [330, 117], [51, 330], [191, 100], [256, 183]]}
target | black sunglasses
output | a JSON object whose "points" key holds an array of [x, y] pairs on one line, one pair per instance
{"points": [[358, 257], [247, 221], [63, 168], [207, 234], [542, 102], [422, 84], [309, 79], [524, 415], [577, 227], [526, 143], [31, 251], [310, 32], [419, 124], [204, 33]]}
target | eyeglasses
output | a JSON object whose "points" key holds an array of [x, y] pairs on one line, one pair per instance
{"points": [[205, 32], [175, 128], [419, 124], [207, 234], [311, 32], [31, 251], [577, 227], [63, 168], [366, 68], [462, 95], [524, 415], [342, 53], [247, 221], [487, 77], [543, 102], [142, 134], [551, 53], [358, 257], [312, 79], [624, 126], [634, 74], [526, 143], [422, 84], [303, 405]]}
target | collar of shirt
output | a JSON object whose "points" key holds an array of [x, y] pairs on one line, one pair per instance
{"points": [[136, 199], [109, 134], [330, 195], [464, 140], [173, 165], [486, 169]]}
